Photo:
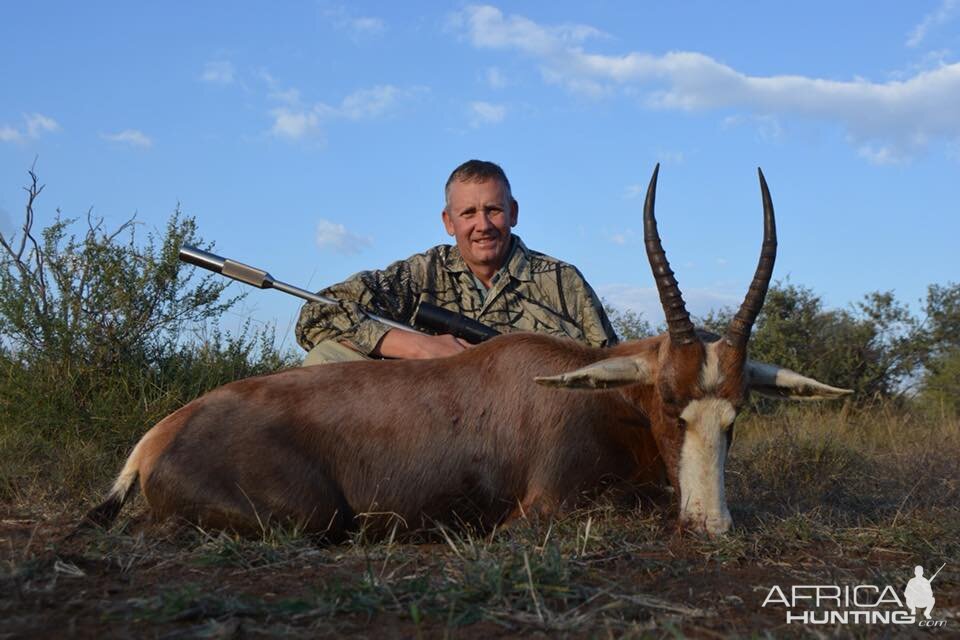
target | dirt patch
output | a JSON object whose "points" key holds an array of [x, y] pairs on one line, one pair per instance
{"points": [[627, 575]]}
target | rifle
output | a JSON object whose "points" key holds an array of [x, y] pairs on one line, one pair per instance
{"points": [[937, 573], [428, 316]]}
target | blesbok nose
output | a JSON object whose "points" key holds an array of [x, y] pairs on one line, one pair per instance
{"points": [[714, 524]]}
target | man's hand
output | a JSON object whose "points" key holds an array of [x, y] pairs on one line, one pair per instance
{"points": [[408, 345]]}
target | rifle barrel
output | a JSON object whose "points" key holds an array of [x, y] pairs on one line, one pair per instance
{"points": [[263, 280], [937, 573]]}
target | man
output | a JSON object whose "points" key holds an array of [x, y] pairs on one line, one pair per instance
{"points": [[919, 594], [489, 276]]}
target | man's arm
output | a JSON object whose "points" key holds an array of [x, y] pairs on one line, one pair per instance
{"points": [[403, 344], [392, 292]]}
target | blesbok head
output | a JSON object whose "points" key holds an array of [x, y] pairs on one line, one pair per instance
{"points": [[690, 384]]}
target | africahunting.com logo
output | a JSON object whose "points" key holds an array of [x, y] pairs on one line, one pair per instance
{"points": [[859, 604]]}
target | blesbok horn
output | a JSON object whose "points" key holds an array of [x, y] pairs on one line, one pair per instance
{"points": [[679, 325], [738, 332]]}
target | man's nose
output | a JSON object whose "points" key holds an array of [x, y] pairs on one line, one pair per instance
{"points": [[483, 221]]}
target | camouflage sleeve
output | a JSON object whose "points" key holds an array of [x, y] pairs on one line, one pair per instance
{"points": [[596, 327], [391, 293]]}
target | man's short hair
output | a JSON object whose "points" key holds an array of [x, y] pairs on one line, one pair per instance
{"points": [[477, 171]]}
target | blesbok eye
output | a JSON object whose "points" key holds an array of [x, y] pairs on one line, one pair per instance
{"points": [[681, 423]]}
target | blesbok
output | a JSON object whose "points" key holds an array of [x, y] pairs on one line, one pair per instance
{"points": [[480, 437]]}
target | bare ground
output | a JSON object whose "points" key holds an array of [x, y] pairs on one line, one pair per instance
{"points": [[629, 577]]}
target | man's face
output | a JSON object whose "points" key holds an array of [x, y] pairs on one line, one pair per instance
{"points": [[479, 215]]}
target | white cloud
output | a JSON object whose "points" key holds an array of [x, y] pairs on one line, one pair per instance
{"points": [[38, 123], [943, 14], [218, 72], [367, 25], [356, 26], [293, 125], [368, 103], [267, 78], [132, 137], [275, 92], [489, 29], [294, 122], [9, 134], [902, 115], [482, 113], [34, 124], [332, 236], [929, 60], [881, 155]]}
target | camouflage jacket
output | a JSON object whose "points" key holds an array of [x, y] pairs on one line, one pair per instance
{"points": [[531, 292]]}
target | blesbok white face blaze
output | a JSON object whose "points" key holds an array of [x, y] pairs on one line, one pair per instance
{"points": [[710, 374], [703, 455]]}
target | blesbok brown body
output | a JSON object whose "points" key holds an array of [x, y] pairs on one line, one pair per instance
{"points": [[477, 438]]}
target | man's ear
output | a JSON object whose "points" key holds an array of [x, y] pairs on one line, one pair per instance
{"points": [[514, 212], [447, 222]]}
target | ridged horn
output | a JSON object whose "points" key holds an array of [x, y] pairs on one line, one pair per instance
{"points": [[739, 330], [678, 319]]}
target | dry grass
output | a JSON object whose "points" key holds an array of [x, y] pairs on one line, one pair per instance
{"points": [[819, 497]]}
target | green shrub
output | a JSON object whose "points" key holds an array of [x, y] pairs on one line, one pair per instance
{"points": [[873, 348], [629, 324], [941, 384], [100, 337]]}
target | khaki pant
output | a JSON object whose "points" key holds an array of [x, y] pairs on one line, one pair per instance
{"points": [[330, 351]]}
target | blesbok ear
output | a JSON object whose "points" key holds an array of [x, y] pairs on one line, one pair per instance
{"points": [[605, 374], [780, 382]]}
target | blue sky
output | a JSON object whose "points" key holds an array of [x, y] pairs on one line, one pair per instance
{"points": [[314, 138]]}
